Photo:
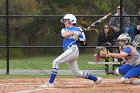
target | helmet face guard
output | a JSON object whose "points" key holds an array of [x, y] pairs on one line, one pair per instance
{"points": [[65, 21]]}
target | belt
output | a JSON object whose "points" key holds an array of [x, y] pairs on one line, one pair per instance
{"points": [[72, 46], [69, 47]]}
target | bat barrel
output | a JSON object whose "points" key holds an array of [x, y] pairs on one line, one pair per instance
{"points": [[100, 20]]}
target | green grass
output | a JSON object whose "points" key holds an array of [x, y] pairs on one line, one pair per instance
{"points": [[45, 62]]}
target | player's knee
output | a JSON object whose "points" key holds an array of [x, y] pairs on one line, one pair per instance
{"points": [[125, 80], [117, 71], [55, 64]]}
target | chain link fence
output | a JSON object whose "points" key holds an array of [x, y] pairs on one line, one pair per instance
{"points": [[33, 38]]}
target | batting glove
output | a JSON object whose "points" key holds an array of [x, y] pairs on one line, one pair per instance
{"points": [[75, 37], [77, 33]]}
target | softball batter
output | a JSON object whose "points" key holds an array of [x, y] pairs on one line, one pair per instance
{"points": [[71, 34]]}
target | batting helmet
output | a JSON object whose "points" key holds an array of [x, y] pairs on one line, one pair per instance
{"points": [[125, 37], [72, 19]]}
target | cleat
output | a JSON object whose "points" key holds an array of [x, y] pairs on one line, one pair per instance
{"points": [[135, 81], [47, 85], [99, 80], [131, 79], [126, 80]]}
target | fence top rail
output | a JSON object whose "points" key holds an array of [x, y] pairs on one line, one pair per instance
{"points": [[63, 15], [52, 46], [55, 46]]}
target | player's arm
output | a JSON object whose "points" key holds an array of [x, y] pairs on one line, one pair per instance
{"points": [[65, 34], [82, 36], [122, 54], [118, 55]]}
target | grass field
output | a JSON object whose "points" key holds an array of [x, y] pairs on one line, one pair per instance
{"points": [[45, 62]]}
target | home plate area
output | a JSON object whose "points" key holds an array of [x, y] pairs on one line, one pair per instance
{"points": [[66, 85]]}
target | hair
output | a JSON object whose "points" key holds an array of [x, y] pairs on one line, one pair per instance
{"points": [[109, 32], [74, 24]]}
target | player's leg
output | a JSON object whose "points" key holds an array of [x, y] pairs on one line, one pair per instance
{"points": [[132, 76], [68, 55], [75, 70], [71, 53], [123, 69]]}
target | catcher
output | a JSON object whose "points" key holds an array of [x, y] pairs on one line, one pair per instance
{"points": [[131, 68]]}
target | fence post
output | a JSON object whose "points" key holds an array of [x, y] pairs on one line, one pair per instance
{"points": [[121, 16], [7, 34]]}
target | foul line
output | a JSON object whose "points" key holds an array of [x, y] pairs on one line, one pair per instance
{"points": [[27, 91]]}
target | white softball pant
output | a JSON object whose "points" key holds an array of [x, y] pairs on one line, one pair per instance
{"points": [[70, 56]]}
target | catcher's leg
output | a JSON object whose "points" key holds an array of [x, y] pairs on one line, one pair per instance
{"points": [[75, 70], [123, 69], [132, 76]]}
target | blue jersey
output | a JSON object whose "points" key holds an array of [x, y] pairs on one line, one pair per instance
{"points": [[69, 40]]}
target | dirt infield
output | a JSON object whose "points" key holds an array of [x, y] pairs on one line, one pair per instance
{"points": [[66, 85]]}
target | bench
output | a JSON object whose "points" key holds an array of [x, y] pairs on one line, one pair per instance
{"points": [[114, 64]]}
